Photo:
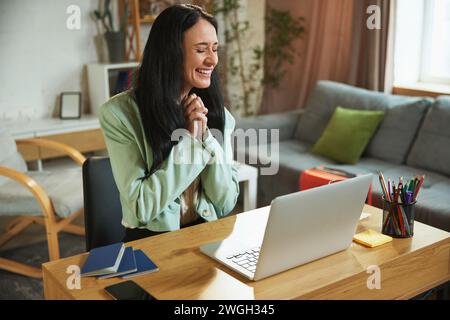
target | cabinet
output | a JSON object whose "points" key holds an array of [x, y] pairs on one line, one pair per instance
{"points": [[83, 134], [106, 80]]}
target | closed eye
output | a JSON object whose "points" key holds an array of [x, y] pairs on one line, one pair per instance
{"points": [[203, 51], [201, 47]]}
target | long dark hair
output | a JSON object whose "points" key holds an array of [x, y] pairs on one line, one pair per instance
{"points": [[160, 79]]}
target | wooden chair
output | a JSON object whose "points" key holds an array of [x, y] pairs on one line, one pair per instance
{"points": [[40, 206]]}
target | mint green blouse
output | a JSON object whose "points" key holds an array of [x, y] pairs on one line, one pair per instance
{"points": [[153, 201]]}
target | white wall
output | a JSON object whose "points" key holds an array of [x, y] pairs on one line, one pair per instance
{"points": [[40, 57]]}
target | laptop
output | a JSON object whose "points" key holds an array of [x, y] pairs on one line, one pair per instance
{"points": [[300, 227]]}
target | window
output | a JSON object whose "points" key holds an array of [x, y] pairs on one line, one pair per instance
{"points": [[436, 42], [422, 42]]}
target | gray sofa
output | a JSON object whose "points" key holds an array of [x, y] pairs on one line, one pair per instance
{"points": [[413, 139]]}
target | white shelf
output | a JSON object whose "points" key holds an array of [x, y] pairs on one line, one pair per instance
{"points": [[111, 66], [24, 129]]}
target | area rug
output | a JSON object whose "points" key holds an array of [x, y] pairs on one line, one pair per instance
{"points": [[17, 287]]}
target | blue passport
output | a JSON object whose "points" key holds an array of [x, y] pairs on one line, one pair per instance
{"points": [[103, 260], [127, 265], [144, 265]]}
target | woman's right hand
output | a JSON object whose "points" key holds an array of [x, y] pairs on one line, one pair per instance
{"points": [[195, 115]]}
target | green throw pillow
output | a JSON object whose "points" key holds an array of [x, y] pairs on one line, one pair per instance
{"points": [[347, 134]]}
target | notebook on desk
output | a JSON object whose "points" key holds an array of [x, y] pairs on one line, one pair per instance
{"points": [[144, 265], [300, 227], [127, 265], [103, 260]]}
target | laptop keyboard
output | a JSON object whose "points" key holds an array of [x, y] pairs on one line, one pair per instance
{"points": [[246, 259]]}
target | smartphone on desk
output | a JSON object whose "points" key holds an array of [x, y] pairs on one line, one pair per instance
{"points": [[128, 290]]}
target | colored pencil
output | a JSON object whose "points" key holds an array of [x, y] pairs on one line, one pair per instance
{"points": [[399, 199]]}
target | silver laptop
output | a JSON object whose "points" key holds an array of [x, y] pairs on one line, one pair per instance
{"points": [[300, 227]]}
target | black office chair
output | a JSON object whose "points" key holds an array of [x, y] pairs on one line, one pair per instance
{"points": [[102, 208]]}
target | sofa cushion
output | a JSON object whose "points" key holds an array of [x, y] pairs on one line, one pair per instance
{"points": [[64, 186], [9, 156], [285, 122], [396, 134], [431, 150], [433, 206], [347, 134], [327, 95]]}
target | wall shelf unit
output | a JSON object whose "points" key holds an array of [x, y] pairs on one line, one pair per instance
{"points": [[135, 20], [106, 80], [133, 28]]}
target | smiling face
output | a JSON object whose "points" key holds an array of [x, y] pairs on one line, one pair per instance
{"points": [[200, 55]]}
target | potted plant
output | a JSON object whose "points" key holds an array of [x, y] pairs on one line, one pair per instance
{"points": [[253, 67], [115, 40]]}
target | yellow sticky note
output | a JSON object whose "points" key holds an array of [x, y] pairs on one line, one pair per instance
{"points": [[371, 238]]}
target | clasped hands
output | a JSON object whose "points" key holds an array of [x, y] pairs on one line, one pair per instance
{"points": [[195, 114]]}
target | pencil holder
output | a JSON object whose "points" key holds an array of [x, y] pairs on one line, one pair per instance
{"points": [[398, 219]]}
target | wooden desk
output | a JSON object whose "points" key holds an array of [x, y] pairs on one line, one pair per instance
{"points": [[408, 267]]}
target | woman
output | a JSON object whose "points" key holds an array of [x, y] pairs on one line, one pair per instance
{"points": [[177, 88]]}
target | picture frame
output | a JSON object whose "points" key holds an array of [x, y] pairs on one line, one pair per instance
{"points": [[70, 105]]}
